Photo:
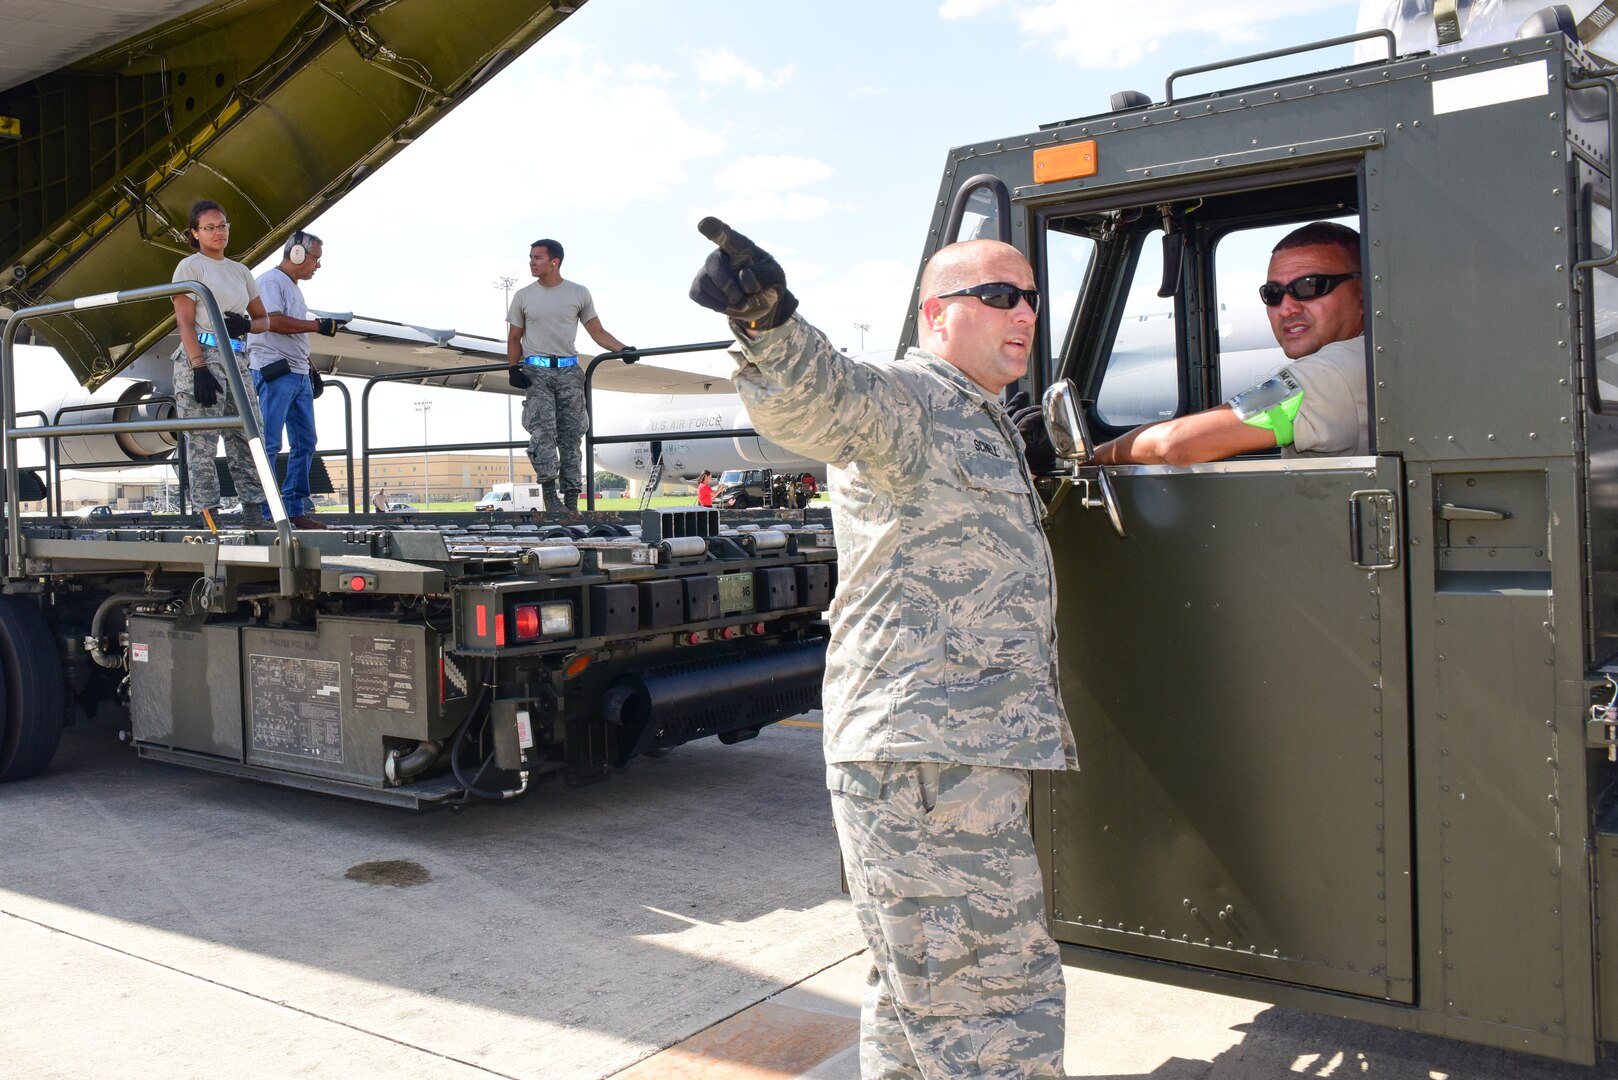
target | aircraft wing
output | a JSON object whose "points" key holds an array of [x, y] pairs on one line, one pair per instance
{"points": [[117, 116], [367, 347]]}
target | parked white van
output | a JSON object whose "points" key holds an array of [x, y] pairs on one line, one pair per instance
{"points": [[512, 499]]}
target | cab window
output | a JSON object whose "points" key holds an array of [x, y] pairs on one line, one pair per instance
{"points": [[1140, 384], [1168, 320], [1068, 259], [1600, 314]]}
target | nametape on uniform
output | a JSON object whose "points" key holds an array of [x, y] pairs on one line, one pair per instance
{"points": [[1484, 88]]}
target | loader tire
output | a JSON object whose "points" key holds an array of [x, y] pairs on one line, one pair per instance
{"points": [[31, 689]]}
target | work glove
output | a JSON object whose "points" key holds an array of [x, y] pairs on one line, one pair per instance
{"points": [[519, 378], [742, 280], [327, 327], [237, 325], [204, 387], [1029, 420], [629, 354], [317, 385]]}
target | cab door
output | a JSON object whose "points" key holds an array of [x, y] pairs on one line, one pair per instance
{"points": [[1234, 671]]}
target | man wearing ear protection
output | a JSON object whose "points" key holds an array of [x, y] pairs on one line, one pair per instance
{"points": [[286, 383], [1318, 404], [940, 691], [543, 321]]}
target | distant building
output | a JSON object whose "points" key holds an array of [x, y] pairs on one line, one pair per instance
{"points": [[455, 477]]}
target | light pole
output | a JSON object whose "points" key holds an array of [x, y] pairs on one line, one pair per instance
{"points": [[862, 327], [506, 283], [424, 407]]}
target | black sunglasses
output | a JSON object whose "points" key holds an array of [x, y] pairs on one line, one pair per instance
{"points": [[999, 294], [1307, 287]]}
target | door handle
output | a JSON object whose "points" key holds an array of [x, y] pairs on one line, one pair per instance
{"points": [[1451, 512], [1377, 512]]}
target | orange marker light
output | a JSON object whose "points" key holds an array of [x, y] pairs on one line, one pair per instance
{"points": [[577, 665], [1066, 162]]}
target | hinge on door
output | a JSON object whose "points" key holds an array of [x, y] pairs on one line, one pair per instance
{"points": [[1373, 529]]}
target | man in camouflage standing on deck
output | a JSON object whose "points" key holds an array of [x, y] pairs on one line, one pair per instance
{"points": [[940, 690]]}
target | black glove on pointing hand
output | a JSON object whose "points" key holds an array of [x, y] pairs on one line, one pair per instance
{"points": [[237, 325], [742, 280], [1029, 420], [519, 378], [327, 327], [204, 387]]}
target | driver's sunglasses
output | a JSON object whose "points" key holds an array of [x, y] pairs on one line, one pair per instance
{"points": [[999, 294], [1307, 287]]}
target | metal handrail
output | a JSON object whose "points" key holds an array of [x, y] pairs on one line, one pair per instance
{"points": [[590, 436], [1276, 54], [53, 447], [243, 419], [348, 437], [365, 421]]}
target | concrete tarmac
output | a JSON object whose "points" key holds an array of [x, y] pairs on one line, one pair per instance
{"points": [[681, 920]]}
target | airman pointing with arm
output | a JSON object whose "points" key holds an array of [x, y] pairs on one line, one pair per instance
{"points": [[940, 691]]}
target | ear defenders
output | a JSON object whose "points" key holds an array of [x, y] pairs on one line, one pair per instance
{"points": [[297, 248]]}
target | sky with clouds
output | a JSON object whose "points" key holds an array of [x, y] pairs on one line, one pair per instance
{"points": [[819, 129]]}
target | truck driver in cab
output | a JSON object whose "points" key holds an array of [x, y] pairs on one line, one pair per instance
{"points": [[1315, 405]]}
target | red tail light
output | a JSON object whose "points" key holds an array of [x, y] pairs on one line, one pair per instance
{"points": [[527, 620]]}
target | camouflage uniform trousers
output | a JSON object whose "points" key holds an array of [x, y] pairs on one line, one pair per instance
{"points": [[200, 445], [967, 981], [555, 415]]}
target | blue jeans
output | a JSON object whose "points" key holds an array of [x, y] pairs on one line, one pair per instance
{"points": [[288, 403]]}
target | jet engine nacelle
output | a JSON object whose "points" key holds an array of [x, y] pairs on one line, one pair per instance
{"points": [[116, 400]]}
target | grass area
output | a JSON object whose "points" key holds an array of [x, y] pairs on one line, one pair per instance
{"points": [[658, 502]]}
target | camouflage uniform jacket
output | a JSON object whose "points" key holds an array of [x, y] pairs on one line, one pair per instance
{"points": [[943, 631]]}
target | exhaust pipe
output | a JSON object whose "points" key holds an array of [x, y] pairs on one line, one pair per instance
{"points": [[674, 704]]}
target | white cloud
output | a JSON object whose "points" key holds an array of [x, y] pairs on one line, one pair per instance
{"points": [[648, 73], [723, 66], [1114, 35], [762, 188], [965, 9], [524, 145], [771, 173], [875, 292], [771, 206]]}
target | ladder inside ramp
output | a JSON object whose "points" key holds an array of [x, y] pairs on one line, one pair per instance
{"points": [[653, 478]]}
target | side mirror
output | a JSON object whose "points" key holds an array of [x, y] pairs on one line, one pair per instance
{"points": [[1064, 419], [1070, 437]]}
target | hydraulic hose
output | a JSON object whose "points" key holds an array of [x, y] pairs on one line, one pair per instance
{"points": [[479, 706]]}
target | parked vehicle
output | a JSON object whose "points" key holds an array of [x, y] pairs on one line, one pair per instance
{"points": [[512, 499], [1348, 724]]}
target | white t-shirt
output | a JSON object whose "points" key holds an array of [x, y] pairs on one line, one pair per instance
{"points": [[549, 318], [280, 294], [230, 282]]}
